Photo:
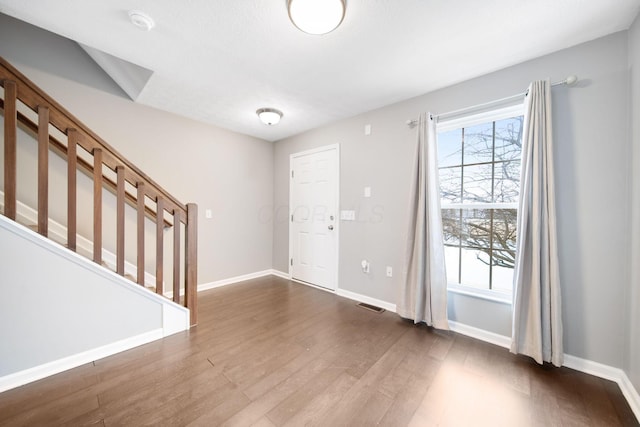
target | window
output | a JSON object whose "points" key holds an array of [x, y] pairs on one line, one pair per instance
{"points": [[479, 167]]}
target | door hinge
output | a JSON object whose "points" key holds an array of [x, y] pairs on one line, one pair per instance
{"points": [[291, 174], [291, 217], [292, 261]]}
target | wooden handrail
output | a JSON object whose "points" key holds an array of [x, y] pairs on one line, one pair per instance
{"points": [[19, 88], [55, 145], [32, 96]]}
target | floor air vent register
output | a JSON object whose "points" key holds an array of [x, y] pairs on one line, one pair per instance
{"points": [[370, 307]]}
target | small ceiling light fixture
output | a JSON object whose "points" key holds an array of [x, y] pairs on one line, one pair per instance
{"points": [[269, 116], [316, 16], [141, 20]]}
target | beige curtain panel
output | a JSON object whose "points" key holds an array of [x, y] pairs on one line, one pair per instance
{"points": [[537, 319], [423, 295]]}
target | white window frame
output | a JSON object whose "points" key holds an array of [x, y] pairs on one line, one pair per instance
{"points": [[464, 121]]}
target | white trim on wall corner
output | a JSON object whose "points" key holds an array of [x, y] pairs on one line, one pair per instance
{"points": [[42, 371], [608, 373], [281, 274], [630, 393]]}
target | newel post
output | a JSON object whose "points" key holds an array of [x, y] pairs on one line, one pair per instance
{"points": [[191, 262]]}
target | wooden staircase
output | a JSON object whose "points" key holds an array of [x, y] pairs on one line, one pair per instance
{"points": [[27, 107]]}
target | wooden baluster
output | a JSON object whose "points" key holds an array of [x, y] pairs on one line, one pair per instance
{"points": [[97, 205], [10, 156], [176, 255], [120, 220], [72, 161], [191, 263], [159, 245], [141, 212], [43, 170]]}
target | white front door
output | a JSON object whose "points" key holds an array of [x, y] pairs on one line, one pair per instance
{"points": [[313, 230]]}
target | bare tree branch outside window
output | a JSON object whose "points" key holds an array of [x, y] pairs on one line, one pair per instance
{"points": [[480, 182]]}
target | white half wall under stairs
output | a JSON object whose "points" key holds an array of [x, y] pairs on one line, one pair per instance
{"points": [[59, 310]]}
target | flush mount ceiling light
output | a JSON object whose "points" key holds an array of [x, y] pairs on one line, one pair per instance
{"points": [[316, 16], [141, 20], [269, 116]]}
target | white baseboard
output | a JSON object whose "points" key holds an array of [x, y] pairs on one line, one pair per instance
{"points": [[233, 280], [592, 368], [343, 293], [608, 373], [589, 367], [480, 334], [631, 394], [51, 368], [586, 366], [367, 300], [281, 274]]}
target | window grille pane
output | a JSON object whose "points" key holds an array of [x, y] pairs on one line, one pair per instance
{"points": [[450, 148], [508, 139], [451, 185], [451, 226], [480, 165], [452, 262], [504, 232], [506, 186], [477, 181], [478, 143], [501, 277], [474, 268], [476, 228]]}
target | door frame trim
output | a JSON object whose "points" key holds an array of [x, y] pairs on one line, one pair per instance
{"points": [[336, 261]]}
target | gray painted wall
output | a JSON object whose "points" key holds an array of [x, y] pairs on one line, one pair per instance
{"points": [[632, 361], [229, 173], [245, 180], [592, 151], [62, 306]]}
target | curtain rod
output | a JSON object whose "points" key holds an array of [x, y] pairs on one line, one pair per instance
{"points": [[569, 81]]}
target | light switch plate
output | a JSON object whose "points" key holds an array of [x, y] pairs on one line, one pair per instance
{"points": [[367, 191], [348, 215]]}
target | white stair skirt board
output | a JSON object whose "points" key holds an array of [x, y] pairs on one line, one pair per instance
{"points": [[18, 379], [174, 318], [58, 233]]}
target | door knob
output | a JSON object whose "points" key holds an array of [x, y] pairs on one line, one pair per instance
{"points": [[331, 227]]}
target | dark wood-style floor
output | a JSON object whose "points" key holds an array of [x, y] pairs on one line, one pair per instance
{"points": [[268, 352]]}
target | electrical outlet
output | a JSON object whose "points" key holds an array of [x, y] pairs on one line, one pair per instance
{"points": [[365, 266], [389, 271], [208, 214]]}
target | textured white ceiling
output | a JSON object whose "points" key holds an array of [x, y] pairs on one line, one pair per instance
{"points": [[218, 61]]}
